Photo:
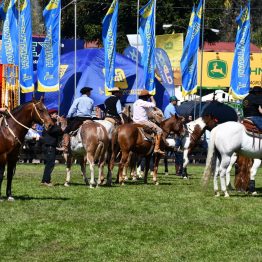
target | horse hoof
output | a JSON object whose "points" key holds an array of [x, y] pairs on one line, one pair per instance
{"points": [[126, 178], [254, 193], [10, 199], [91, 186], [134, 178], [166, 173], [151, 173], [1, 199], [157, 183], [226, 195], [217, 194], [66, 184]]}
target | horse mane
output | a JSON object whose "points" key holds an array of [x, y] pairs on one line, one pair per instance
{"points": [[18, 108]]}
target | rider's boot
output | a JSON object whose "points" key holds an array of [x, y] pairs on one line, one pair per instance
{"points": [[66, 142], [157, 144]]}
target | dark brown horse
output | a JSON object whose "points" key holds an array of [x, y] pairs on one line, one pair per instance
{"points": [[132, 141], [13, 129]]}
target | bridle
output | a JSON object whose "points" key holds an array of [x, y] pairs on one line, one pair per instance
{"points": [[19, 123]]}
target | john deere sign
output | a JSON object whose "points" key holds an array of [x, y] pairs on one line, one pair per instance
{"points": [[217, 69]]}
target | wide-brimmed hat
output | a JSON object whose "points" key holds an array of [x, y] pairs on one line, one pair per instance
{"points": [[255, 89], [144, 93], [52, 111], [173, 98], [85, 89], [114, 89]]}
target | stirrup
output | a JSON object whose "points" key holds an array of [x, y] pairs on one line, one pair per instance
{"points": [[159, 152]]}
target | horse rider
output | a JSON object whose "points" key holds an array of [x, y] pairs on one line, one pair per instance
{"points": [[80, 111], [140, 115], [113, 108], [50, 139], [252, 106]]}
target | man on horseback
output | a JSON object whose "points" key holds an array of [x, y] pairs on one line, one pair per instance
{"points": [[80, 111], [252, 106], [113, 108], [140, 115]]}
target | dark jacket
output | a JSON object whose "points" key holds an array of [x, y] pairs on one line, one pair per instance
{"points": [[51, 136], [110, 104], [251, 104]]}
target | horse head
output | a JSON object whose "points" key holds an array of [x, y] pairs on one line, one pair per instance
{"points": [[40, 114], [174, 124], [156, 115]]}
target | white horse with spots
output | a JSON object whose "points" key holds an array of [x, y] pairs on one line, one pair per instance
{"points": [[226, 139]]}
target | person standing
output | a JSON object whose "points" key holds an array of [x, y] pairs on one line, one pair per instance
{"points": [[140, 115], [170, 109], [50, 139], [80, 111]]}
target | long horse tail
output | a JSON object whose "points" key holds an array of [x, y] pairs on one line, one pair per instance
{"points": [[101, 144], [211, 158]]}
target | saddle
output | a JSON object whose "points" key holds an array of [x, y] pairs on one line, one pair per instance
{"points": [[147, 133], [251, 128]]}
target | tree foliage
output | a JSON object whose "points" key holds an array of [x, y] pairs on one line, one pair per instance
{"points": [[219, 14]]}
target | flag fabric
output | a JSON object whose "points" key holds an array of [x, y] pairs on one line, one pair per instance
{"points": [[26, 55], [109, 34], [240, 76], [164, 69], [190, 52], [48, 62], [9, 13], [147, 33], [132, 53]]}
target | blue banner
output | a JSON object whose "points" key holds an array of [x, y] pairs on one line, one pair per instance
{"points": [[109, 34], [147, 33], [240, 76], [164, 69], [48, 62], [9, 14], [26, 55], [132, 53], [190, 53]]}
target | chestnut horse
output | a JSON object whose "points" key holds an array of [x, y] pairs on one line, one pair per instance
{"points": [[131, 140], [13, 129]]}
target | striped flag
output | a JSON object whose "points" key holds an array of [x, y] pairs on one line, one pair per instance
{"points": [[49, 59]]}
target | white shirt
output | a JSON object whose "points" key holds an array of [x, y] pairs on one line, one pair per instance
{"points": [[32, 134], [140, 110]]}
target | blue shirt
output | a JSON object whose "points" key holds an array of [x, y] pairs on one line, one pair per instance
{"points": [[170, 110], [82, 106]]}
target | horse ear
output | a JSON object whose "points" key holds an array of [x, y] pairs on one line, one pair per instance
{"points": [[33, 98], [42, 99]]}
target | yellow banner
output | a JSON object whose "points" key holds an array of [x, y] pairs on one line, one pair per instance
{"points": [[173, 45], [216, 70]]}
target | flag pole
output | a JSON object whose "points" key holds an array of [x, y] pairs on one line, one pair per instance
{"points": [[75, 58], [155, 35], [59, 62], [19, 32], [137, 39], [202, 55]]}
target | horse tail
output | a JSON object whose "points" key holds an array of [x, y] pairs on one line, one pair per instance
{"points": [[101, 145], [211, 158]]}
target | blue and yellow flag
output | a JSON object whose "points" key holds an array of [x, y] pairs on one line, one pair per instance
{"points": [[9, 13], [26, 55], [109, 34], [189, 57], [48, 62], [147, 33], [240, 76]]}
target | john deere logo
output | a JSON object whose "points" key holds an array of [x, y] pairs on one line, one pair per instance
{"points": [[217, 69]]}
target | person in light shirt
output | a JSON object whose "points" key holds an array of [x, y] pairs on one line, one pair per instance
{"points": [[140, 115]]}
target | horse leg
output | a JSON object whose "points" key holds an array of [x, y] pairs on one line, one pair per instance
{"points": [[122, 163], [2, 171], [216, 173], [68, 169], [253, 172], [157, 159], [166, 164], [225, 161], [11, 167], [101, 165], [232, 162], [83, 170], [91, 162]]}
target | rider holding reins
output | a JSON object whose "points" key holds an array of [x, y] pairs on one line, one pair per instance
{"points": [[140, 115]]}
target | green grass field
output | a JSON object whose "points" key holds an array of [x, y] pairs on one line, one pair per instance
{"points": [[175, 221]]}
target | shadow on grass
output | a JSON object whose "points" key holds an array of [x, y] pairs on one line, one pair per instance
{"points": [[26, 197]]}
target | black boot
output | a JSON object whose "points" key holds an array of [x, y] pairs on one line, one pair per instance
{"points": [[252, 186]]}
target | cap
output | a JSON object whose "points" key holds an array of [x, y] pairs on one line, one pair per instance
{"points": [[173, 98], [114, 89], [85, 89], [144, 93], [52, 111]]}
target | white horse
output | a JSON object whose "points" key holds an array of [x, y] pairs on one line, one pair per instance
{"points": [[226, 139]]}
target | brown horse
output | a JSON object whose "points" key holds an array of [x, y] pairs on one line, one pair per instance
{"points": [[89, 145], [13, 129], [131, 141]]}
